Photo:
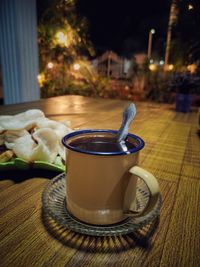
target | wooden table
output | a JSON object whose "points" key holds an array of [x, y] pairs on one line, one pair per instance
{"points": [[172, 154]]}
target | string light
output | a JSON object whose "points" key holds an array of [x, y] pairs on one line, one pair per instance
{"points": [[190, 7], [50, 65], [62, 38], [41, 79], [192, 68], [153, 67], [170, 67], [76, 66]]}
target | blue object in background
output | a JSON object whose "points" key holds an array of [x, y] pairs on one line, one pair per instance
{"points": [[183, 102]]}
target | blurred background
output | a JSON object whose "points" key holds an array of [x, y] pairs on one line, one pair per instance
{"points": [[133, 50]]}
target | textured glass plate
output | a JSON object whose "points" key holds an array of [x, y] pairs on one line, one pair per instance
{"points": [[21, 164], [53, 200]]}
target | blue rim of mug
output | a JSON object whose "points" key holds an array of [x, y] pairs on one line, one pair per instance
{"points": [[141, 143]]}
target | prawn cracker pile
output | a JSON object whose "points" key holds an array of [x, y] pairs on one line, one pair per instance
{"points": [[32, 137]]}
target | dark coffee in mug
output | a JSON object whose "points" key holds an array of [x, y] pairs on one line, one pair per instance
{"points": [[100, 144]]}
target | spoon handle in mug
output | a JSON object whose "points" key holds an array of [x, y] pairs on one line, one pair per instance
{"points": [[153, 187], [128, 116]]}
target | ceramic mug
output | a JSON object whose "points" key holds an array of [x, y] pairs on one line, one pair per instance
{"points": [[101, 186]]}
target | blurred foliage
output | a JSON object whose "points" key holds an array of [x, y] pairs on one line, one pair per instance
{"points": [[61, 77], [185, 83], [158, 87], [63, 40], [163, 87], [61, 16]]}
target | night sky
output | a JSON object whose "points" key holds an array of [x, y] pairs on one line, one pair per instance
{"points": [[123, 26]]}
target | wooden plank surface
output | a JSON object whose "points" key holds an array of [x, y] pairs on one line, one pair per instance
{"points": [[28, 237], [182, 243]]}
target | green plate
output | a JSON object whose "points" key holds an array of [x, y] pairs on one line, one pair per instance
{"points": [[22, 164]]}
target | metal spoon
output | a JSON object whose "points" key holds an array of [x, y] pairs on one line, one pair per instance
{"points": [[128, 115]]}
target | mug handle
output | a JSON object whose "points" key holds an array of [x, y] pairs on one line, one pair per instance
{"points": [[153, 187]]}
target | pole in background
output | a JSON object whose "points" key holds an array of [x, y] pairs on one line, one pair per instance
{"points": [[108, 68], [151, 32], [172, 18]]}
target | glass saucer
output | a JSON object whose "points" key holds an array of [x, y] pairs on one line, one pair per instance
{"points": [[54, 204]]}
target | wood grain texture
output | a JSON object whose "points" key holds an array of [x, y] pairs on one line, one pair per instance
{"points": [[191, 164], [182, 244], [29, 237], [5, 184]]}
